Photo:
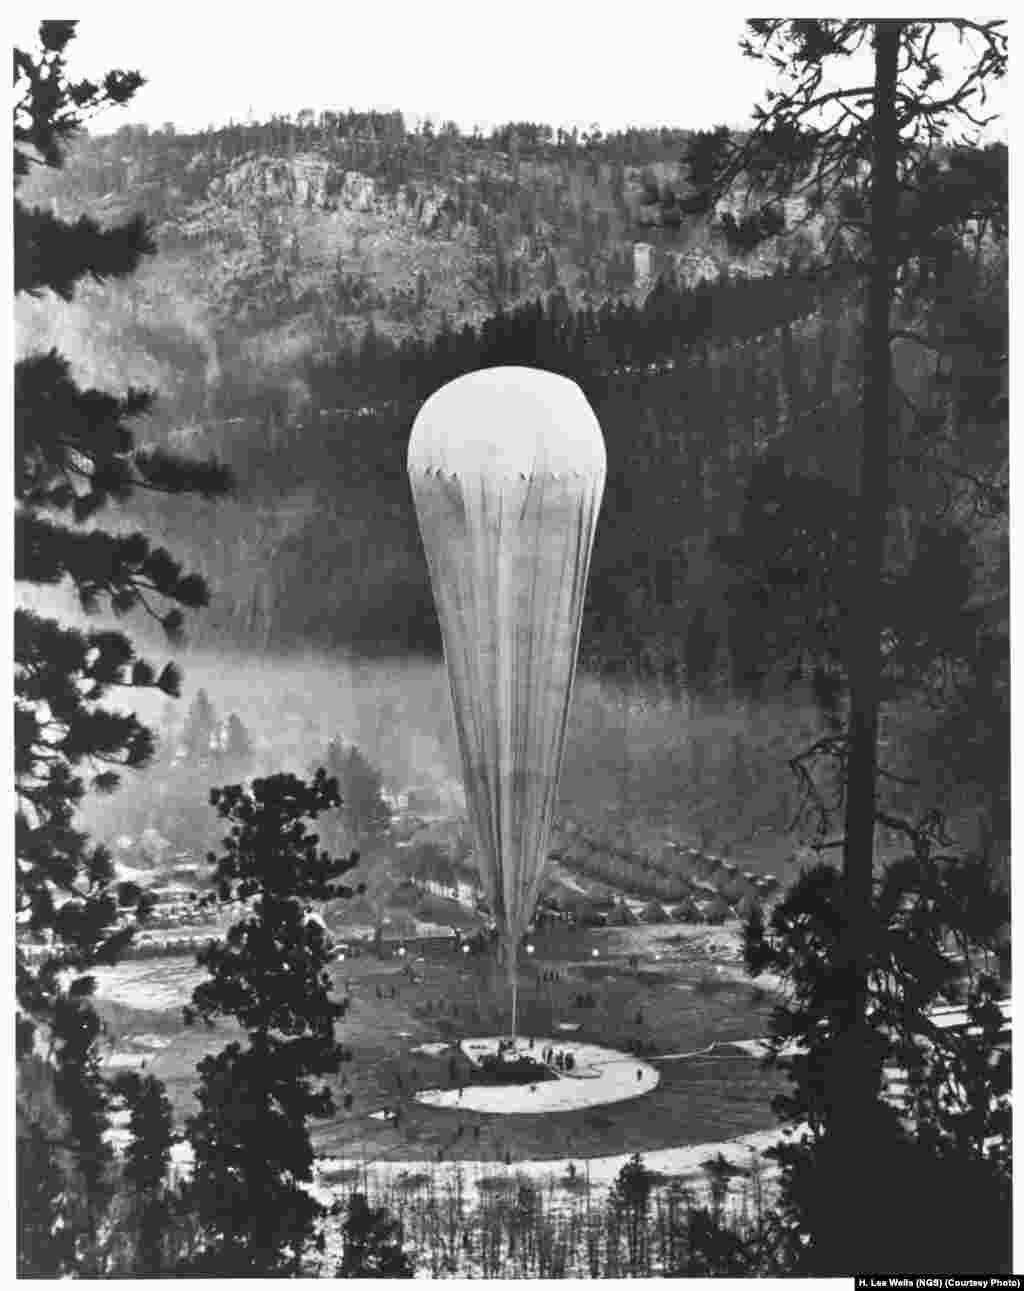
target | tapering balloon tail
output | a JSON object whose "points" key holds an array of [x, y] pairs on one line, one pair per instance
{"points": [[512, 970]]}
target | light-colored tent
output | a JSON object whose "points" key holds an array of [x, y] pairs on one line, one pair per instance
{"points": [[604, 897], [583, 910], [747, 905], [668, 855], [734, 888], [559, 893], [716, 910], [556, 846], [619, 839], [622, 917], [577, 852], [442, 834], [401, 925]]}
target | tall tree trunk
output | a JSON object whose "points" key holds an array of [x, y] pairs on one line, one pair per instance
{"points": [[788, 375], [864, 637]]}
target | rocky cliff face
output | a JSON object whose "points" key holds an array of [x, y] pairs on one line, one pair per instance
{"points": [[285, 254], [315, 184], [303, 181], [299, 245]]}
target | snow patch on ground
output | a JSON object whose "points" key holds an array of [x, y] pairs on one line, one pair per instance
{"points": [[148, 984], [598, 1076], [121, 1061], [685, 1163], [148, 1040]]}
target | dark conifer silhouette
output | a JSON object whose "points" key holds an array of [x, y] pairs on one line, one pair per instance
{"points": [[955, 1120], [373, 1243], [251, 1135], [630, 1201], [866, 149], [200, 728], [151, 1201], [364, 813], [238, 746], [75, 456]]}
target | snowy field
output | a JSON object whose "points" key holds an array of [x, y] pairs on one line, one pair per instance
{"points": [[598, 1076], [684, 1163], [622, 1000]]}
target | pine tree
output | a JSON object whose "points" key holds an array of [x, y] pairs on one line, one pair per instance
{"points": [[630, 1200], [238, 747], [251, 1135], [200, 727], [700, 648], [714, 1246], [954, 1127], [550, 271], [364, 812], [146, 1161], [373, 1243], [858, 150], [45, 1237], [75, 456]]}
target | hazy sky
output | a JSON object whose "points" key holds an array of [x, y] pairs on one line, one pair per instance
{"points": [[562, 62]]}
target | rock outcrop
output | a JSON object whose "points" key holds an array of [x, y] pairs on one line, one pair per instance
{"points": [[304, 180], [315, 184]]}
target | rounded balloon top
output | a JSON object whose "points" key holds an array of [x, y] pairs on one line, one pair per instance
{"points": [[508, 422]]}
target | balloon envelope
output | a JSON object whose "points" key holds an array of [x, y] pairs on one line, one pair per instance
{"points": [[507, 469]]}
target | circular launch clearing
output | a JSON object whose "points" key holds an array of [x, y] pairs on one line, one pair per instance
{"points": [[598, 1076]]}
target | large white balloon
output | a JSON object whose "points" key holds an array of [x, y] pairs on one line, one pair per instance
{"points": [[507, 468]]}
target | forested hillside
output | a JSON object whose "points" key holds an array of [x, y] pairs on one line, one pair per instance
{"points": [[317, 278], [325, 225]]}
